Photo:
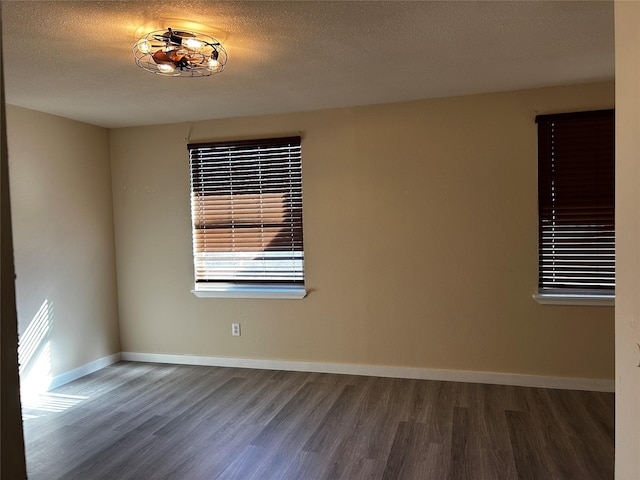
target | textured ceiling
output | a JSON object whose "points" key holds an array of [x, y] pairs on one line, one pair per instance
{"points": [[74, 59]]}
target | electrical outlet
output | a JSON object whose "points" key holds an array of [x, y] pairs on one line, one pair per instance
{"points": [[235, 329]]}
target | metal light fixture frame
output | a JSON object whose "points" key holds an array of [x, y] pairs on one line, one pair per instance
{"points": [[176, 53]]}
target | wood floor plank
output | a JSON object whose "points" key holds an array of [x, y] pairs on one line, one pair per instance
{"points": [[497, 465], [440, 419], [266, 402], [337, 423], [527, 450], [557, 437], [589, 439], [209, 457], [349, 460], [302, 412], [386, 403], [462, 465], [410, 446], [136, 421]]}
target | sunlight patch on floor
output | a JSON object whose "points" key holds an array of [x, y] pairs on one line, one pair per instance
{"points": [[34, 406]]}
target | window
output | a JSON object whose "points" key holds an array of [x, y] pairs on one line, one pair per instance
{"points": [[576, 200], [246, 209]]}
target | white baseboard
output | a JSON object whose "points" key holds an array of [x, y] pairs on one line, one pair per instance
{"points": [[76, 373], [566, 383]]}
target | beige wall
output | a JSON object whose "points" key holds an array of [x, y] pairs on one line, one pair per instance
{"points": [[420, 242], [63, 236], [627, 17]]}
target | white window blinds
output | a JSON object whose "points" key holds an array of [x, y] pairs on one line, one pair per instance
{"points": [[576, 198], [246, 207]]}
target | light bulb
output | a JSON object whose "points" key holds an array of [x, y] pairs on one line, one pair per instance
{"points": [[144, 47], [213, 63], [193, 43], [166, 67]]}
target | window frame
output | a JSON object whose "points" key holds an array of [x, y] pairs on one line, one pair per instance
{"points": [[573, 220], [246, 218]]}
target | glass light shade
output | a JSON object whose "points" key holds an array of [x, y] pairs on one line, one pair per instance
{"points": [[179, 54], [166, 68], [193, 43], [144, 46]]}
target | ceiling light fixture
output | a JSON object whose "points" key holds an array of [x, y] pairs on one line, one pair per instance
{"points": [[176, 53]]}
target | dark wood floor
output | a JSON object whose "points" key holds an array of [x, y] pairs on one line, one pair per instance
{"points": [[157, 422]]}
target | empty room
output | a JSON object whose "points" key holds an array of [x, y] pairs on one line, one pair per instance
{"points": [[321, 239]]}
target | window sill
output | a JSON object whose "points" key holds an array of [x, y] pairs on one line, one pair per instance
{"points": [[575, 299], [226, 290]]}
